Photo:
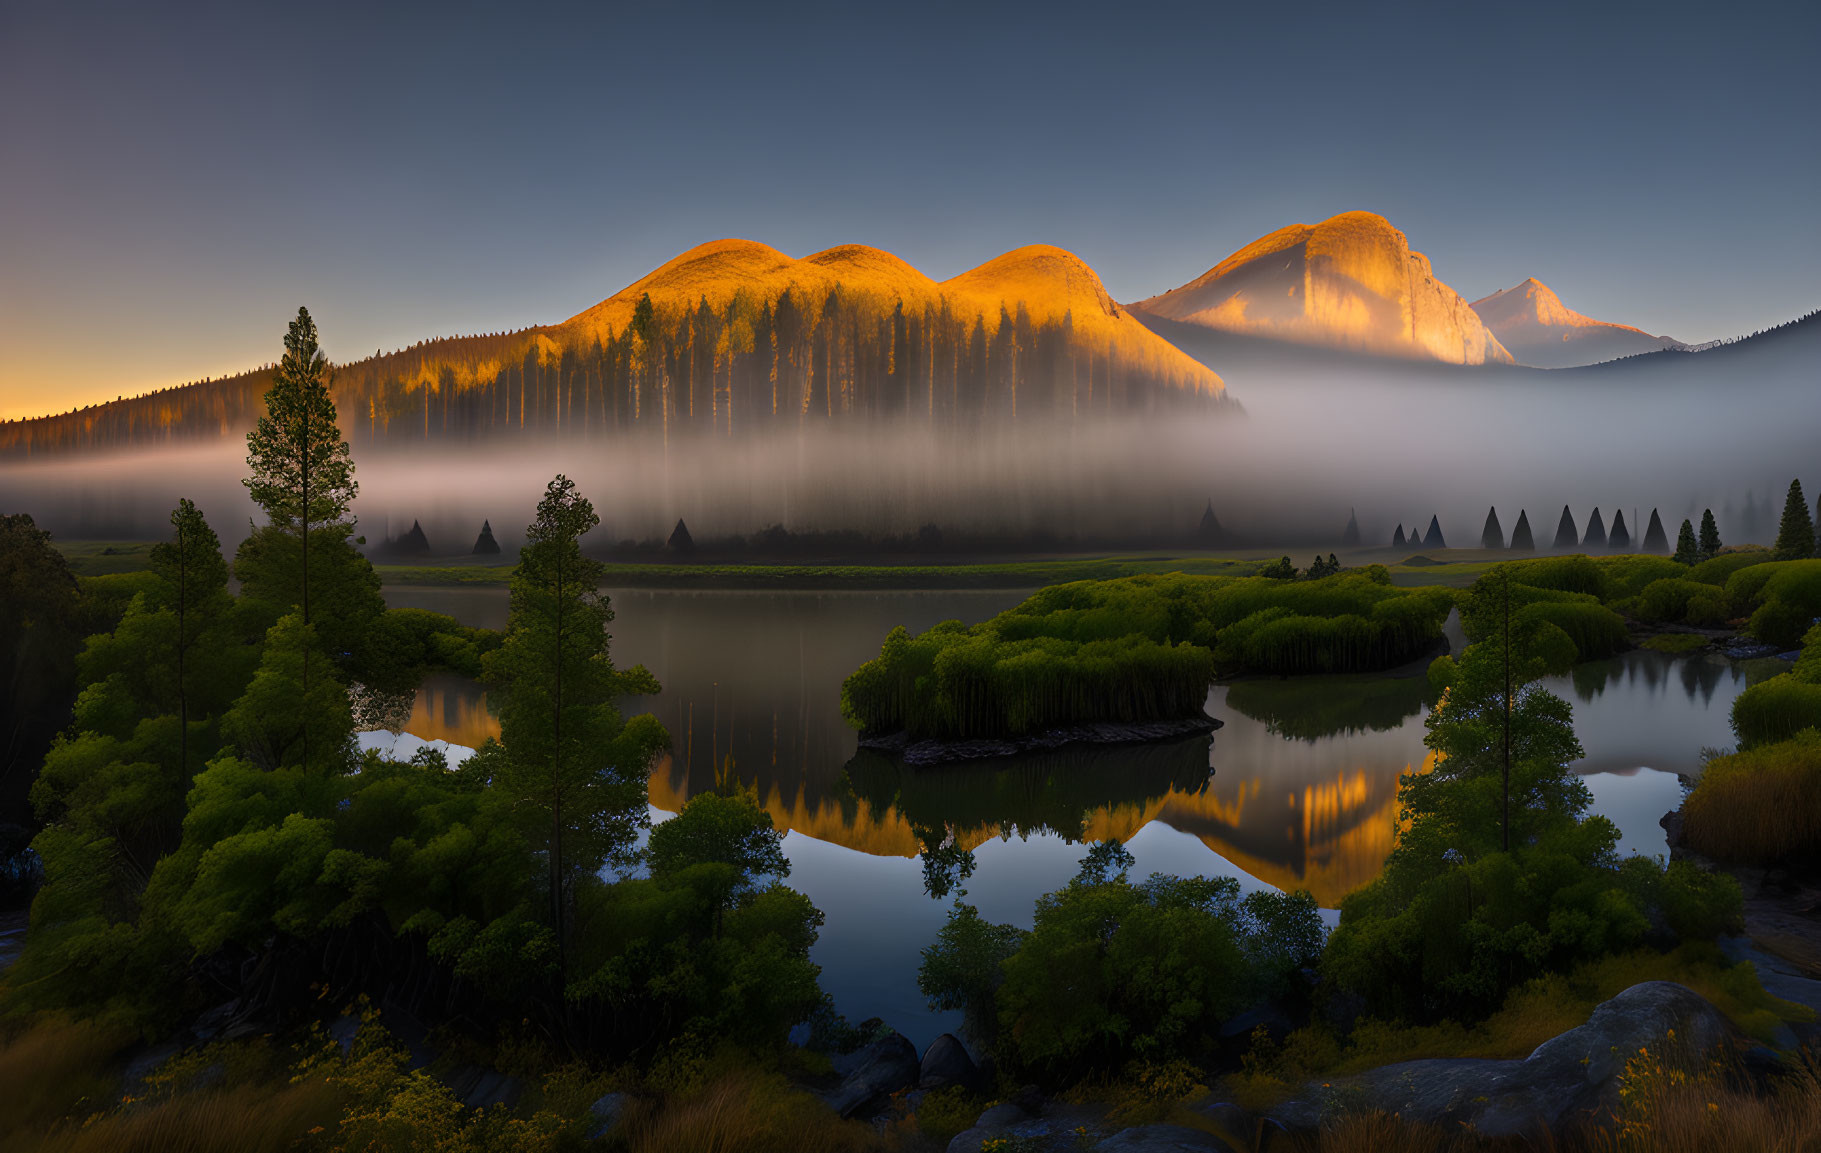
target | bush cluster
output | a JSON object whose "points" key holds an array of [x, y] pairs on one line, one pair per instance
{"points": [[1761, 806], [1114, 970], [1134, 649]]}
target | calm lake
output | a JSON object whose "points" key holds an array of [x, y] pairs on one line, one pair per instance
{"points": [[1298, 790]]}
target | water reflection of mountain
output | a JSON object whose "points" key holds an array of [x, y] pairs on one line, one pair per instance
{"points": [[1312, 812]]}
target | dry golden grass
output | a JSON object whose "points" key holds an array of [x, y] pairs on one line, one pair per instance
{"points": [[744, 1113], [244, 1120], [1666, 1111], [1759, 806], [55, 1069]]}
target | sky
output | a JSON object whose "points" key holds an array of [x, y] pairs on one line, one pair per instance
{"points": [[176, 179]]}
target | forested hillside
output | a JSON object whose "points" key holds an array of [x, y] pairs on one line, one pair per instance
{"points": [[730, 339]]}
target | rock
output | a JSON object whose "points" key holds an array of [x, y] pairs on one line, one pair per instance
{"points": [[143, 1063], [879, 1070], [1162, 1139], [946, 1063], [478, 1087], [1060, 1131], [1277, 1023], [211, 1022], [342, 1031], [1567, 1079], [1001, 1116], [607, 1111], [1225, 1116]]}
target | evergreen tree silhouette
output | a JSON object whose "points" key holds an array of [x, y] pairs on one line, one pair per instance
{"points": [[1796, 535], [1567, 539], [1620, 537], [1656, 541], [1521, 540], [1596, 532], [1210, 533], [484, 544], [1349, 538], [680, 540], [1492, 536], [1397, 538], [1688, 550], [1433, 538], [1710, 536]]}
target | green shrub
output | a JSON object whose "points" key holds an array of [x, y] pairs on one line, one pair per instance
{"points": [[1718, 570], [1775, 710], [1432, 940], [1570, 574], [1786, 602], [1683, 602], [1630, 575], [1761, 806], [1134, 649], [1595, 630], [1113, 970]]}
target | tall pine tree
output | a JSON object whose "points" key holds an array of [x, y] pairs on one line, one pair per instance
{"points": [[302, 471], [1796, 534], [570, 760], [1710, 535], [1656, 541], [196, 592], [1688, 550]]}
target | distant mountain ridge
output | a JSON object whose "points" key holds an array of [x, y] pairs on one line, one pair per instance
{"points": [[1351, 283], [729, 338], [1539, 330]]}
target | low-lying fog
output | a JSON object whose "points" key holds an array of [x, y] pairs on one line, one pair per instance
{"points": [[1396, 445]]}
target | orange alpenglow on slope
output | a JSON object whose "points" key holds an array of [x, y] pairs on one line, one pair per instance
{"points": [[1537, 328], [1351, 282], [864, 336], [1050, 282]]}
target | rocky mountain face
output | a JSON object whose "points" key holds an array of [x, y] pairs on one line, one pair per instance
{"points": [[1539, 330], [1351, 282]]}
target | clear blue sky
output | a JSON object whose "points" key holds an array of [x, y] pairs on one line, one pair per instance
{"points": [[173, 186]]}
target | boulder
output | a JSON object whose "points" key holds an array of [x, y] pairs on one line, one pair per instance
{"points": [[875, 1072], [479, 1088], [946, 1063], [1057, 1129], [1568, 1079], [1162, 1139], [606, 1113]]}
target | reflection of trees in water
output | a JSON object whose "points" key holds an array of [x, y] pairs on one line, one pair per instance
{"points": [[1311, 708], [1700, 675], [1056, 790]]}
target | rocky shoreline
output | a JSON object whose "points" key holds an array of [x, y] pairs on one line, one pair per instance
{"points": [[934, 752]]}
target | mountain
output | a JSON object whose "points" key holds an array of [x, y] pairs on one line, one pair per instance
{"points": [[1351, 282], [736, 338], [1539, 330]]}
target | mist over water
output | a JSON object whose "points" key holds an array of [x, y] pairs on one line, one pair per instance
{"points": [[1394, 443]]}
